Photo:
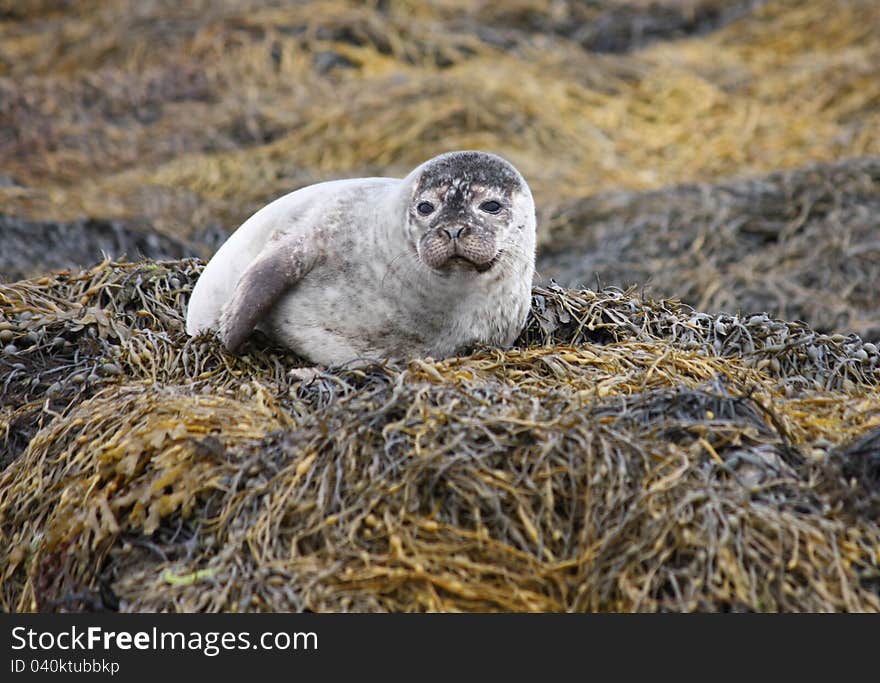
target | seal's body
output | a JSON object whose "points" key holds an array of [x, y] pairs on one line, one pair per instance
{"points": [[380, 267]]}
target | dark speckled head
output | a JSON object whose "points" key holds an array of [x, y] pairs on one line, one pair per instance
{"points": [[467, 210], [469, 167]]}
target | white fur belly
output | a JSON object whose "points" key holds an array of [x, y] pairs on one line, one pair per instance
{"points": [[330, 325]]}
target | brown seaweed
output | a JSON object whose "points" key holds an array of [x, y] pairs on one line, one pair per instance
{"points": [[626, 454]]}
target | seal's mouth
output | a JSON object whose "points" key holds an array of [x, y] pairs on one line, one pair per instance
{"points": [[466, 250], [457, 262]]}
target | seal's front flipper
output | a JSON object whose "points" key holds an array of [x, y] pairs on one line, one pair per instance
{"points": [[278, 267]]}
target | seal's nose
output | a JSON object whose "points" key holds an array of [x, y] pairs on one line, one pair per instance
{"points": [[456, 233]]}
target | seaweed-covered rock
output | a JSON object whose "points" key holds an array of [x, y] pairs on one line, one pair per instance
{"points": [[801, 245], [626, 454], [35, 247]]}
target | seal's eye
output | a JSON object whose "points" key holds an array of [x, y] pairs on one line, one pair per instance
{"points": [[491, 206], [425, 208]]}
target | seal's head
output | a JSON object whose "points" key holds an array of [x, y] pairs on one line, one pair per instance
{"points": [[470, 212]]}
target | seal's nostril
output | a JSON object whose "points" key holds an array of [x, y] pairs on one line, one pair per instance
{"points": [[455, 233]]}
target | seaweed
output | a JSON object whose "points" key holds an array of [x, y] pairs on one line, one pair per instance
{"points": [[625, 454]]}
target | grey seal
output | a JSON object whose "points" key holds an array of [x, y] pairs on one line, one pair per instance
{"points": [[427, 265]]}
